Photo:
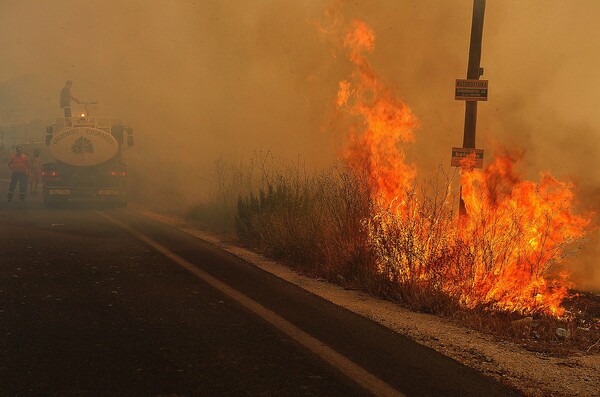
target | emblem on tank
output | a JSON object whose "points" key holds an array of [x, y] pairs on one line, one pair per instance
{"points": [[82, 145]]}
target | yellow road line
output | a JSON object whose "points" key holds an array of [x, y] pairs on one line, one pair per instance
{"points": [[353, 371]]}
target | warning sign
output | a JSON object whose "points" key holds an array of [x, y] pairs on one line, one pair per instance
{"points": [[459, 156], [471, 90]]}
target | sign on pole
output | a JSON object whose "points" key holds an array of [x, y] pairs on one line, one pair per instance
{"points": [[471, 90], [459, 155]]}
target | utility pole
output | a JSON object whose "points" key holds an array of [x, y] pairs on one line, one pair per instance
{"points": [[474, 71]]}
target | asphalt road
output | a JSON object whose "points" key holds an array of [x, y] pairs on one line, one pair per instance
{"points": [[97, 301]]}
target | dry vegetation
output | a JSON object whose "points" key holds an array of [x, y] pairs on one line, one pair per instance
{"points": [[326, 225]]}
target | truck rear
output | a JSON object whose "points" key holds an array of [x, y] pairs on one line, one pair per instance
{"points": [[89, 161]]}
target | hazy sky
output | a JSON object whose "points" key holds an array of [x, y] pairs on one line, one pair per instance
{"points": [[198, 79]]}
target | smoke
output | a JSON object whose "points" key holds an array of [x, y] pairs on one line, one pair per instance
{"points": [[195, 79], [203, 79]]}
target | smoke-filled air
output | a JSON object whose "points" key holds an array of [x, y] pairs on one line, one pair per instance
{"points": [[212, 87]]}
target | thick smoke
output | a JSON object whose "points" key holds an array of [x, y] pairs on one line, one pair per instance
{"points": [[203, 79]]}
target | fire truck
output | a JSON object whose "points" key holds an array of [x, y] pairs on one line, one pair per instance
{"points": [[88, 159]]}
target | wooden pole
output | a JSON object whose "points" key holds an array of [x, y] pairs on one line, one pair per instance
{"points": [[474, 71]]}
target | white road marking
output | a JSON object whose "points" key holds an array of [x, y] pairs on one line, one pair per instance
{"points": [[353, 371]]}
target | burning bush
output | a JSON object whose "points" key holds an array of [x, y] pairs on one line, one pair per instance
{"points": [[499, 256], [369, 221]]}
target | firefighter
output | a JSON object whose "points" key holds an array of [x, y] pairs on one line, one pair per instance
{"points": [[19, 164], [65, 98]]}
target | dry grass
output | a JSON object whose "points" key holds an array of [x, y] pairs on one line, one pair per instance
{"points": [[312, 221], [326, 225], [228, 181]]}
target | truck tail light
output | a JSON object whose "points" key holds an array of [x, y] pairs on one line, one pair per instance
{"points": [[49, 173], [118, 173]]}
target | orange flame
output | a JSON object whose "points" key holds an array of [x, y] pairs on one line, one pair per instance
{"points": [[526, 226], [386, 122], [501, 255]]}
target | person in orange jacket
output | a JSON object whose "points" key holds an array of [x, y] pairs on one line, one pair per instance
{"points": [[19, 164]]}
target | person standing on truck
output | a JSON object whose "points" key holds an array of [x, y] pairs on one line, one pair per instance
{"points": [[66, 97], [35, 170], [19, 164]]}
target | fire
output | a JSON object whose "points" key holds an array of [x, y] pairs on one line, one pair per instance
{"points": [[527, 227], [385, 121], [500, 256]]}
